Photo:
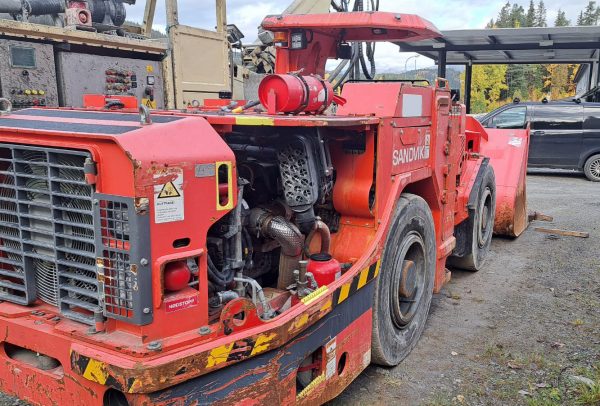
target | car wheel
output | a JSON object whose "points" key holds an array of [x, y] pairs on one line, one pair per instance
{"points": [[592, 168], [404, 288]]}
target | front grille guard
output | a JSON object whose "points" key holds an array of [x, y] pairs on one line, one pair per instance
{"points": [[124, 271], [60, 240]]}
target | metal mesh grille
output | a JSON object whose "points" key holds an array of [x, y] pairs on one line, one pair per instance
{"points": [[47, 230], [118, 275], [295, 172]]}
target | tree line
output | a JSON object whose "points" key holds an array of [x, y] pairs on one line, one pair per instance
{"points": [[495, 85]]}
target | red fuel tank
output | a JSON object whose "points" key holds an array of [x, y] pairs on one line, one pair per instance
{"points": [[324, 268]]}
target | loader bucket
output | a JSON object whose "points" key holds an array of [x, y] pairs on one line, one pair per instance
{"points": [[508, 151]]}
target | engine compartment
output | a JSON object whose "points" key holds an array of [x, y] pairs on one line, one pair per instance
{"points": [[277, 238]]}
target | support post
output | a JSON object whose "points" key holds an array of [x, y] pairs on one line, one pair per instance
{"points": [[596, 72], [442, 64], [148, 17], [172, 14], [221, 16], [468, 78]]}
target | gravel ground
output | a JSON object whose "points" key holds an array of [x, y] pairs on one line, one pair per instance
{"points": [[517, 331]]}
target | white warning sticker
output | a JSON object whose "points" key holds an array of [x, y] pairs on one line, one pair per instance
{"points": [[330, 349], [515, 142], [168, 198]]}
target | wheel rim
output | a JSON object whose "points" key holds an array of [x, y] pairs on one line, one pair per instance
{"points": [[409, 280], [595, 168], [484, 226]]}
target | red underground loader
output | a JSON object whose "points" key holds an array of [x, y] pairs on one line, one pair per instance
{"points": [[210, 257]]}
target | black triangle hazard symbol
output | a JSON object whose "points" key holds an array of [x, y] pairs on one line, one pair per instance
{"points": [[168, 190]]}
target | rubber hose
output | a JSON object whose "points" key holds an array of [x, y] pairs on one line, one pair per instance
{"points": [[11, 6], [214, 275], [45, 7]]}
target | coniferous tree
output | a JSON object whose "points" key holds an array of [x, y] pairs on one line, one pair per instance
{"points": [[531, 18], [504, 17], [540, 20], [561, 19], [517, 16], [589, 16]]}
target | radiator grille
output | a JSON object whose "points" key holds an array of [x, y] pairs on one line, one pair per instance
{"points": [[47, 247], [65, 244]]}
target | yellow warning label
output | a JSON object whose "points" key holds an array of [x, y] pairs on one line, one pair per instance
{"points": [[151, 104], [169, 190], [149, 68]]}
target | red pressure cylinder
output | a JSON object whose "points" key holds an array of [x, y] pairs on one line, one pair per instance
{"points": [[295, 94], [324, 268], [176, 276]]}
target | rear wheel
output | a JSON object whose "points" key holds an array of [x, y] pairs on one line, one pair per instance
{"points": [[592, 168], [405, 285], [478, 229]]}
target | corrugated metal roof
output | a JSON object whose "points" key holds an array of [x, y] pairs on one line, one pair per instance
{"points": [[512, 45]]}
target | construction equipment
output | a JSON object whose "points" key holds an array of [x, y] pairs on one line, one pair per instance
{"points": [[211, 257], [50, 54]]}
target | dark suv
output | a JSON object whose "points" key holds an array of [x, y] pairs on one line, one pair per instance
{"points": [[564, 134]]}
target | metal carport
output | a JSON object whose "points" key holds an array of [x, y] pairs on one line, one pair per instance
{"points": [[574, 45]]}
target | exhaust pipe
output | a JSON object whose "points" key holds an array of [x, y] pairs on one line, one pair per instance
{"points": [[289, 238]]}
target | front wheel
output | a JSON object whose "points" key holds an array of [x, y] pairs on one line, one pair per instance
{"points": [[474, 234], [404, 288], [592, 168]]}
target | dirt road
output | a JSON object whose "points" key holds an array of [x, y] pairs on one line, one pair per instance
{"points": [[516, 332]]}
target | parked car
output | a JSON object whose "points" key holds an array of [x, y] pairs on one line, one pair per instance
{"points": [[564, 134]]}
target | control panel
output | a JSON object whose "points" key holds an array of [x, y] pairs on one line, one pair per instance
{"points": [[114, 76], [28, 74]]}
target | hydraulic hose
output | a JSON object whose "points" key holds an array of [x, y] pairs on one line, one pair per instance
{"points": [[10, 7], [44, 7]]}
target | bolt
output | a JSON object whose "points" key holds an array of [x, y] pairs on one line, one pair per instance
{"points": [[204, 330], [96, 202], [146, 310], [143, 262], [154, 346], [398, 17]]}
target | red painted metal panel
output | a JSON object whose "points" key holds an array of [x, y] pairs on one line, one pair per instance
{"points": [[508, 151]]}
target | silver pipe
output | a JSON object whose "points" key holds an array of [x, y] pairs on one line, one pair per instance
{"points": [[258, 296]]}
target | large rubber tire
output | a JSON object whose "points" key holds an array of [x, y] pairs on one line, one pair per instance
{"points": [[479, 227], [404, 287], [592, 168]]}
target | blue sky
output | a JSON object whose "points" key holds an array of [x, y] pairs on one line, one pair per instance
{"points": [[446, 15]]}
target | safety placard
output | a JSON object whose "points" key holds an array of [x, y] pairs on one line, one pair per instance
{"points": [[150, 103], [168, 199]]}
